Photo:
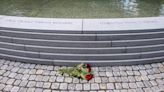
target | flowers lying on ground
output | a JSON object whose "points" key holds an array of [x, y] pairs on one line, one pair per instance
{"points": [[82, 71]]}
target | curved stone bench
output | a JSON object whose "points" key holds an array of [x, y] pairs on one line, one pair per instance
{"points": [[71, 41]]}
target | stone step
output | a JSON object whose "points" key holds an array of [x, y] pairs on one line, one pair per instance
{"points": [[83, 44], [61, 56], [83, 32], [74, 62], [74, 50], [82, 37]]}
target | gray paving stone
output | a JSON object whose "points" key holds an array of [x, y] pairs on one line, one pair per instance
{"points": [[25, 77], [104, 80], [102, 74], [32, 71], [148, 90], [123, 90], [159, 81], [50, 68], [68, 79], [47, 90], [18, 76], [130, 73], [122, 68], [15, 89], [4, 80], [148, 66], [15, 69], [132, 85], [23, 83], [135, 67], [32, 77], [150, 72], [97, 79], [7, 88], [124, 79], [71, 86], [60, 79], [110, 86], [87, 86], [4, 67], [102, 69], [31, 90], [46, 85], [2, 86], [156, 70], [45, 78], [39, 71], [7, 73], [55, 86], [140, 84], [131, 78], [39, 84], [17, 82], [123, 73], [32, 66], [10, 81], [109, 74], [38, 78], [52, 79], [116, 74], [2, 72], [46, 72], [141, 67], [155, 88], [21, 70], [26, 71], [144, 77], [79, 87], [38, 90], [115, 69], [154, 83], [111, 79], [63, 86], [22, 89], [95, 86], [129, 68], [147, 84], [125, 85], [151, 77], [118, 86], [12, 75], [131, 90], [75, 80], [118, 79], [108, 69], [31, 84], [139, 90], [103, 86], [143, 72]]}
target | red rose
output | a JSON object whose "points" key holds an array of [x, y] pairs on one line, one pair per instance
{"points": [[89, 69], [88, 65], [89, 77]]}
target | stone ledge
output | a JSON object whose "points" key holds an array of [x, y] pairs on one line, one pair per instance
{"points": [[116, 24]]}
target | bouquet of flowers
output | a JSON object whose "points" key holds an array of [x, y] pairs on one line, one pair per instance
{"points": [[81, 71]]}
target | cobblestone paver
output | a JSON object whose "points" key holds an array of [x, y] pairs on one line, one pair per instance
{"points": [[23, 77]]}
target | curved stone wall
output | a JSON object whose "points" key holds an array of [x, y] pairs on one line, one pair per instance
{"points": [[71, 41]]}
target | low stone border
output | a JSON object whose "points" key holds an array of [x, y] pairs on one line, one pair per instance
{"points": [[82, 24]]}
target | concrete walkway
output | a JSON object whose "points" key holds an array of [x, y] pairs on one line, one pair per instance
{"points": [[23, 77]]}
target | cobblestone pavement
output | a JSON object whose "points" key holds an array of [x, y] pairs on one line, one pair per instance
{"points": [[23, 77]]}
